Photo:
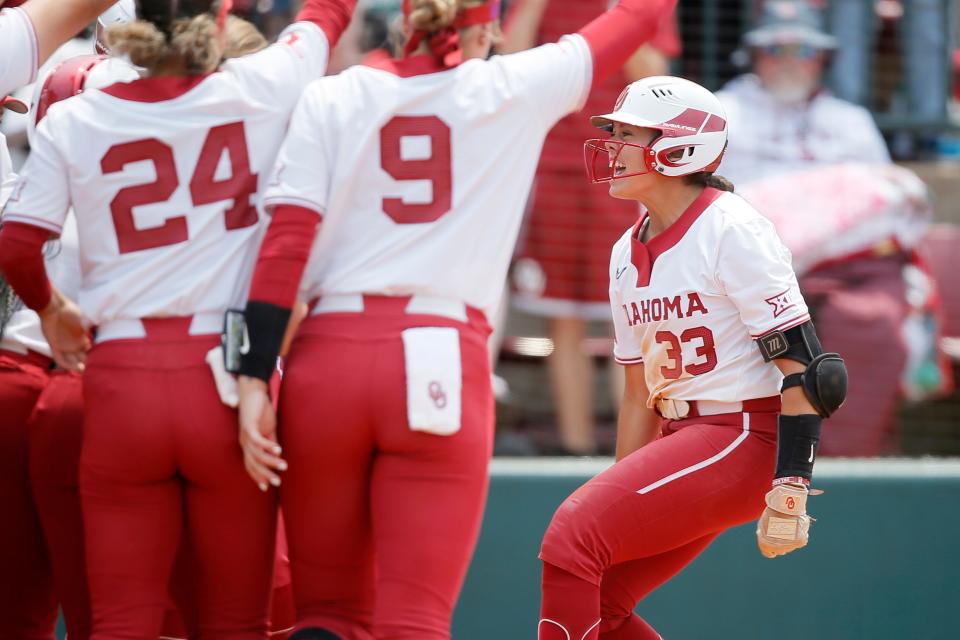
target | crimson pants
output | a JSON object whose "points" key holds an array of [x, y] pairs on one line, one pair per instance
{"points": [[55, 435], [160, 463], [28, 607], [56, 428], [381, 520], [637, 524]]}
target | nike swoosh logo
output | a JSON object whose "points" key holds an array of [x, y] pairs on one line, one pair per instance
{"points": [[245, 345], [620, 272], [811, 454]]}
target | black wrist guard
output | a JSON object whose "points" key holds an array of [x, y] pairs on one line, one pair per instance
{"points": [[266, 325], [797, 440]]}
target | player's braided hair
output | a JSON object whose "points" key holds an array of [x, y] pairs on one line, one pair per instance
{"points": [[705, 179], [241, 38], [170, 34], [432, 16]]}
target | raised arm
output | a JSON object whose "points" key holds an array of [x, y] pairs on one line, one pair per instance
{"points": [[299, 56], [521, 25], [556, 78], [56, 21], [332, 16], [616, 35]]}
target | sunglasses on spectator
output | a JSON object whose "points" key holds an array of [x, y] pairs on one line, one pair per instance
{"points": [[793, 50]]}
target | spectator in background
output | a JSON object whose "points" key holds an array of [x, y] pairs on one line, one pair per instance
{"points": [[564, 257], [781, 117], [924, 28], [817, 166]]}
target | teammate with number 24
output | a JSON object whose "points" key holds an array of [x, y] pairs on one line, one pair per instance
{"points": [[162, 173], [398, 193], [716, 339]]}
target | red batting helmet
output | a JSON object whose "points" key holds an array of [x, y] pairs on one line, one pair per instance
{"points": [[690, 120], [71, 77]]}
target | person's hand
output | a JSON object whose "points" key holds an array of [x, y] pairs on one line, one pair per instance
{"points": [[62, 325], [784, 525], [258, 433]]}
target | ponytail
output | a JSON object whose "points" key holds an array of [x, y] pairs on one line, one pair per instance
{"points": [[710, 180], [186, 45], [194, 41], [431, 16], [437, 22], [242, 38], [141, 41]]}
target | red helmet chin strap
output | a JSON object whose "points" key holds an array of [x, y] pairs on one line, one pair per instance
{"points": [[596, 153]]}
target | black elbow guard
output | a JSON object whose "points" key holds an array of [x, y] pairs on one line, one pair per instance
{"points": [[824, 381], [264, 327], [797, 441]]}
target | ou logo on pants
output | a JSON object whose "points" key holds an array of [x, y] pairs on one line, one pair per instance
{"points": [[437, 394]]}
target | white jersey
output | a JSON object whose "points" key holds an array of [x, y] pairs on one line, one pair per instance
{"points": [[62, 259], [18, 67], [7, 176], [163, 174], [19, 52], [690, 303], [421, 173], [768, 138]]}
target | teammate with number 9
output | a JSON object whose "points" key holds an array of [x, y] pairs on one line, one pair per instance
{"points": [[711, 328], [399, 190], [162, 173]]}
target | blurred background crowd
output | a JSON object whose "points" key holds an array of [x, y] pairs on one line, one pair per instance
{"points": [[844, 119]]}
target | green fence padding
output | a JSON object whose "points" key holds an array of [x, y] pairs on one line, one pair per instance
{"points": [[882, 562]]}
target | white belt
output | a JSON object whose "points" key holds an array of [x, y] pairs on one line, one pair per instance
{"points": [[418, 304], [201, 324], [14, 347], [680, 409]]}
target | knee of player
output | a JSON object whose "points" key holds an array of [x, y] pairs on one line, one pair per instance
{"points": [[574, 532], [612, 620]]}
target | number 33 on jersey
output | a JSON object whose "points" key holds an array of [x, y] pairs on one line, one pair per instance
{"points": [[690, 302]]}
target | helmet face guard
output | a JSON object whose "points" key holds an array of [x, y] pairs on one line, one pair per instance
{"points": [[602, 155], [121, 12], [659, 156]]}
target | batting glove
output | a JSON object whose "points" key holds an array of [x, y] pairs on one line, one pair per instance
{"points": [[784, 525]]}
